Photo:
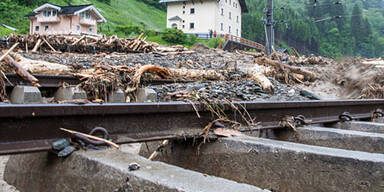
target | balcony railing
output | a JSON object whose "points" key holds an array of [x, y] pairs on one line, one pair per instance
{"points": [[85, 21], [52, 19]]}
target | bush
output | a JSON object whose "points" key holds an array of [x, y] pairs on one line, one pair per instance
{"points": [[174, 36], [214, 42], [129, 29], [191, 39]]}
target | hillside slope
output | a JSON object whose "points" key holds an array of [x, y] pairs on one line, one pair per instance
{"points": [[119, 12], [129, 12]]}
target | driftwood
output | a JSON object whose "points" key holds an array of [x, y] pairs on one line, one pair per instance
{"points": [[37, 45], [9, 51], [49, 45], [41, 67], [77, 41], [195, 74], [265, 83], [82, 44], [153, 69], [308, 75], [92, 137], [21, 71]]}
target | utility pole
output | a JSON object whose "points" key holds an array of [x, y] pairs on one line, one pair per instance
{"points": [[269, 28]]}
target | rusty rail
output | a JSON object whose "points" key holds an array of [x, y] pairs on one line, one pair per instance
{"points": [[30, 128]]}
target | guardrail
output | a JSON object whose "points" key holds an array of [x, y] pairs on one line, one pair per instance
{"points": [[243, 41]]}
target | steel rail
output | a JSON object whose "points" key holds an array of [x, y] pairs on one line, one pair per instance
{"points": [[30, 128]]}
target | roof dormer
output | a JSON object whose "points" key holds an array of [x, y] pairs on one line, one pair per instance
{"points": [[47, 6]]}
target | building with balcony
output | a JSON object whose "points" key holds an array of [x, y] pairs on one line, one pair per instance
{"points": [[68, 20], [206, 18]]}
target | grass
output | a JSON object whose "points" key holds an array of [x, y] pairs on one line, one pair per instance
{"points": [[128, 12], [4, 31], [120, 12]]}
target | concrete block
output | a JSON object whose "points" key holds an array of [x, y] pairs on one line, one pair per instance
{"points": [[361, 126], [26, 95], [101, 171], [146, 95], [69, 93], [335, 138], [282, 166], [117, 96]]}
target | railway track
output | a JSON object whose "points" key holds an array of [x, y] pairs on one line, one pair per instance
{"points": [[55, 81], [32, 128]]}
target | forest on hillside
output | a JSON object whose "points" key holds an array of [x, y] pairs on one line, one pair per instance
{"points": [[332, 28]]}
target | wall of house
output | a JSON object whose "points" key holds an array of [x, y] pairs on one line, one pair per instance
{"points": [[228, 7], [67, 25], [207, 16], [203, 18]]}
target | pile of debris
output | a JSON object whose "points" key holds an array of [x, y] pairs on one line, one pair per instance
{"points": [[79, 44], [251, 73]]}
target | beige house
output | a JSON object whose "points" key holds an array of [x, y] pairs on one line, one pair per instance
{"points": [[201, 17], [74, 19]]}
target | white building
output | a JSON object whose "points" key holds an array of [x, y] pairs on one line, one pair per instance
{"points": [[202, 16]]}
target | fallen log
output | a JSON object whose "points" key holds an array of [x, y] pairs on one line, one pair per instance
{"points": [[21, 71], [9, 51], [162, 72], [265, 83], [41, 67], [196, 74], [37, 45], [49, 45], [308, 75]]}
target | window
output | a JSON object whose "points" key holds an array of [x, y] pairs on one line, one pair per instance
{"points": [[191, 25], [237, 19], [87, 15], [45, 13], [54, 13], [192, 10], [222, 11], [230, 2], [183, 12], [234, 4], [226, 1], [222, 26], [183, 21], [90, 29], [78, 27], [229, 29], [230, 15], [46, 28], [174, 25], [37, 28], [237, 32], [183, 6], [48, 13], [82, 15], [183, 26]]}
